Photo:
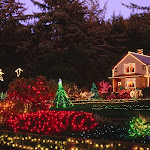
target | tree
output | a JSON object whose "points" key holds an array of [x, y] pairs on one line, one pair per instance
{"points": [[61, 100], [11, 19], [94, 91]]}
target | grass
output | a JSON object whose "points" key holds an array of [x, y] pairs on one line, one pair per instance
{"points": [[118, 114]]}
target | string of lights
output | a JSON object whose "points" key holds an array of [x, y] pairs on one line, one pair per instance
{"points": [[52, 122], [45, 143], [122, 107]]}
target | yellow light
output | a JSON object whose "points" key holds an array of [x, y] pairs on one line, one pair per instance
{"points": [[141, 148], [119, 144], [56, 142], [87, 141], [96, 145], [56, 147], [135, 148], [107, 146], [64, 142], [111, 145], [101, 146], [69, 140], [39, 145], [43, 141], [147, 148], [46, 149], [8, 144]]}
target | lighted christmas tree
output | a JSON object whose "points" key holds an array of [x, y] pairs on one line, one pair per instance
{"points": [[94, 91], [61, 99]]}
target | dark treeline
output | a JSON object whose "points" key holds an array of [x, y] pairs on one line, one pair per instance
{"points": [[70, 40]]}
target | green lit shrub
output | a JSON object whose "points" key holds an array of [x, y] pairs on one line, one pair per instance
{"points": [[139, 127]]}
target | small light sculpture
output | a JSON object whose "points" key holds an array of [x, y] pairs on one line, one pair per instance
{"points": [[1, 73], [18, 71]]}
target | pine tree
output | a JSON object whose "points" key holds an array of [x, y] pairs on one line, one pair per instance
{"points": [[94, 91], [61, 100]]}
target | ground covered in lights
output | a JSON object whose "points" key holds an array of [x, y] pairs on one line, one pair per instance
{"points": [[71, 130], [29, 121]]}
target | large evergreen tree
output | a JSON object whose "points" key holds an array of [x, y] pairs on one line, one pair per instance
{"points": [[11, 19]]}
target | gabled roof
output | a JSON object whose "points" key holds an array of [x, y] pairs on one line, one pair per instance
{"points": [[144, 58]]}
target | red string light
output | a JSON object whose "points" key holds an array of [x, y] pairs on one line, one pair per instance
{"points": [[52, 122]]}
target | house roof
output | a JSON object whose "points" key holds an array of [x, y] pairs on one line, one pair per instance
{"points": [[144, 58]]}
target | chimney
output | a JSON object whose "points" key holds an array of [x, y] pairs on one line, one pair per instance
{"points": [[140, 51]]}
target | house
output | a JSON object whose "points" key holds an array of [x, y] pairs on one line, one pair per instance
{"points": [[132, 71]]}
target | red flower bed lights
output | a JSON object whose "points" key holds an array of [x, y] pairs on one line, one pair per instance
{"points": [[52, 122]]}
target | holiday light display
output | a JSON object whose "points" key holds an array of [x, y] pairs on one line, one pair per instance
{"points": [[104, 87], [18, 71], [3, 95], [31, 142], [34, 92], [6, 110], [139, 127], [122, 107], [61, 100], [1, 73], [52, 122], [94, 91]]}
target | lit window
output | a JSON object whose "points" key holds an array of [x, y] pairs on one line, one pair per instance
{"points": [[129, 68], [131, 82]]}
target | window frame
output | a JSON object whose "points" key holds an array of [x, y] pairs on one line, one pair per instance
{"points": [[129, 80], [129, 68], [116, 69]]}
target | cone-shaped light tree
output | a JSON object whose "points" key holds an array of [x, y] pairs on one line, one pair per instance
{"points": [[61, 100], [94, 91]]}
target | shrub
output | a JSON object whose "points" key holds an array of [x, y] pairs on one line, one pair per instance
{"points": [[52, 122], [104, 88], [9, 108], [72, 90], [34, 92], [123, 94], [139, 127]]}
